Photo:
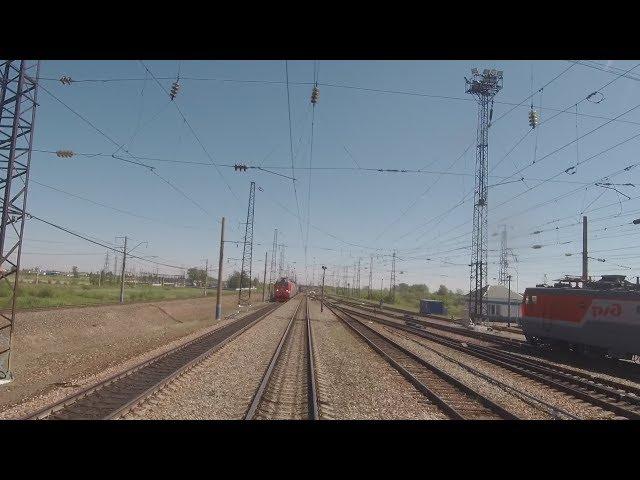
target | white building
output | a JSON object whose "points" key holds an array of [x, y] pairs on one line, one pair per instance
{"points": [[497, 298]]}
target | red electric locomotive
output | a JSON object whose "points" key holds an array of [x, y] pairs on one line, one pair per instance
{"points": [[601, 317], [284, 290]]}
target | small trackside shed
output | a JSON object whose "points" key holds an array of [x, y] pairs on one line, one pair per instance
{"points": [[497, 298], [432, 307]]}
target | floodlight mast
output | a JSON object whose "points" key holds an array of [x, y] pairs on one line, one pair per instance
{"points": [[484, 87]]}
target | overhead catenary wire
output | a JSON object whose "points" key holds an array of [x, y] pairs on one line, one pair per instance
{"points": [[110, 207], [293, 173], [331, 85], [193, 132], [99, 243]]}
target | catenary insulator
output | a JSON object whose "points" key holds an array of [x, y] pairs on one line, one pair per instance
{"points": [[174, 90], [315, 95], [533, 118], [65, 153], [66, 80]]}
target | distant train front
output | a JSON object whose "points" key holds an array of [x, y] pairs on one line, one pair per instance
{"points": [[284, 290]]}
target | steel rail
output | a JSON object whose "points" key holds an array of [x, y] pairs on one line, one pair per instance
{"points": [[447, 328], [259, 396], [515, 349], [555, 412], [377, 341], [114, 396], [607, 398], [311, 371]]}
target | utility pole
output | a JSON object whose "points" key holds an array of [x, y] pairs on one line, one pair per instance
{"points": [[264, 279], [247, 249], [484, 86], [370, 275], [206, 277], [18, 102], [585, 259], [274, 253], [124, 261], [219, 286], [322, 294], [358, 278], [509, 303]]}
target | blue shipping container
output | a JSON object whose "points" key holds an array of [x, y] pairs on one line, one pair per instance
{"points": [[433, 307]]}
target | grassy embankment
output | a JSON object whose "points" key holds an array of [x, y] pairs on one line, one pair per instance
{"points": [[67, 291], [409, 297]]}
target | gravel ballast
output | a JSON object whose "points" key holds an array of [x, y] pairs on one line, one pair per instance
{"points": [[58, 352], [354, 382], [222, 386], [514, 404]]}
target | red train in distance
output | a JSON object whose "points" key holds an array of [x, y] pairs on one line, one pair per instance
{"points": [[284, 290], [601, 317]]}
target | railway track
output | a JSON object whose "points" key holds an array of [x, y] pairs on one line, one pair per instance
{"points": [[113, 397], [622, 400], [455, 399], [615, 368], [488, 337], [288, 387]]}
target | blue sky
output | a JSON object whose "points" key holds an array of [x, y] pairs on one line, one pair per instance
{"points": [[247, 122]]}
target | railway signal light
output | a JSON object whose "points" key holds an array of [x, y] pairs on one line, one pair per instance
{"points": [[65, 153], [66, 80]]}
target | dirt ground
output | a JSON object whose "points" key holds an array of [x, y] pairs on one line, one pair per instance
{"points": [[57, 349]]}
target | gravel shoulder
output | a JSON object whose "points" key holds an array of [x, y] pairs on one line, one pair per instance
{"points": [[429, 351], [621, 378], [222, 386], [58, 352], [354, 382]]}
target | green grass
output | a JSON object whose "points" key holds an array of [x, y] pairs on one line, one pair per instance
{"points": [[81, 293], [409, 299]]}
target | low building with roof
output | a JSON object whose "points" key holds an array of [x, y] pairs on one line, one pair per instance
{"points": [[497, 298]]}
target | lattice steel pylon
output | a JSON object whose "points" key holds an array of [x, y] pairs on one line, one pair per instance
{"points": [[392, 285], [503, 266], [484, 86], [281, 266], [18, 101], [244, 296]]}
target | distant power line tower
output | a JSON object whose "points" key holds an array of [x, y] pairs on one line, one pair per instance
{"points": [[503, 269], [18, 101], [274, 252], [281, 269], [392, 286], [105, 268], [484, 86], [244, 296]]}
